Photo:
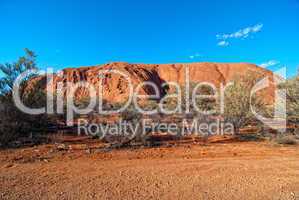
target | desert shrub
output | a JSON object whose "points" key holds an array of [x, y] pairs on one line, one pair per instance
{"points": [[131, 115], [13, 122], [292, 94], [127, 134], [150, 105], [250, 137], [203, 104], [286, 139], [237, 102]]}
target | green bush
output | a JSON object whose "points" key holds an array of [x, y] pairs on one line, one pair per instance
{"points": [[237, 102], [286, 139], [13, 122]]}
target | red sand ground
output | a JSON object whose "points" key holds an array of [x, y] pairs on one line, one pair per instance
{"points": [[237, 170]]}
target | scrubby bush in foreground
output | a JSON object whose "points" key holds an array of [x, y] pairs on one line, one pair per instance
{"points": [[13, 122], [238, 102]]}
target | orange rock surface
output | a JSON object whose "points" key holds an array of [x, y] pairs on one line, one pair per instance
{"points": [[115, 86]]}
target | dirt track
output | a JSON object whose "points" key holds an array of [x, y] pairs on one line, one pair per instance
{"points": [[217, 171]]}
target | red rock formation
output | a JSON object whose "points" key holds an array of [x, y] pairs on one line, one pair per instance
{"points": [[115, 87]]}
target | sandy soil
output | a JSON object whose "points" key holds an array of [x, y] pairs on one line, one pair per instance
{"points": [[244, 170]]}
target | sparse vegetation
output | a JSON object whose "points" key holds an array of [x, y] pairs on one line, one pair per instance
{"points": [[13, 122], [285, 139], [292, 96], [292, 90], [237, 110], [205, 104], [238, 101]]}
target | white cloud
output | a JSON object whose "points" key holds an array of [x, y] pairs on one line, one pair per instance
{"points": [[196, 55], [223, 43], [243, 33], [269, 63], [240, 34]]}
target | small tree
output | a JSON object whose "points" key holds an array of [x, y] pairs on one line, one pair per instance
{"points": [[12, 70], [238, 102], [13, 122], [292, 92]]}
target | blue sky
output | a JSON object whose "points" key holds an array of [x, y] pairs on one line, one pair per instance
{"points": [[71, 33]]}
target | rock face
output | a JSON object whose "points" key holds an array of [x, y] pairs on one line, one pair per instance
{"points": [[115, 86]]}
